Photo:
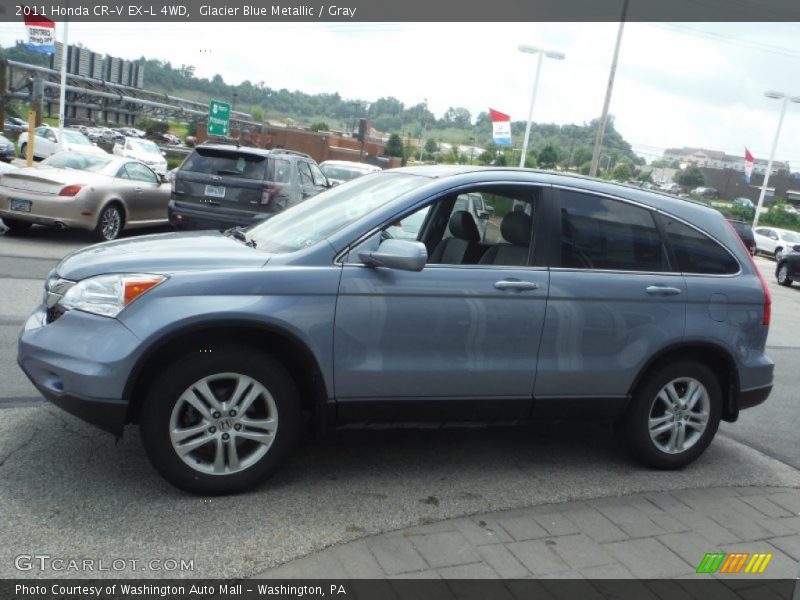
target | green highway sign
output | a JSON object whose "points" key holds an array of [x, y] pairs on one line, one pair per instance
{"points": [[219, 116]]}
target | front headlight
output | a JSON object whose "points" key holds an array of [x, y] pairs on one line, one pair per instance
{"points": [[107, 295]]}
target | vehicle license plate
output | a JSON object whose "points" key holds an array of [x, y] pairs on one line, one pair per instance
{"points": [[20, 205], [215, 191]]}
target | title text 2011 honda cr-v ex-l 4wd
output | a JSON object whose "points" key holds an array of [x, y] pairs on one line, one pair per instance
{"points": [[571, 298]]}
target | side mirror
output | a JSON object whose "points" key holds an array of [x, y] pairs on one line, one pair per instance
{"points": [[163, 178], [483, 215], [397, 254]]}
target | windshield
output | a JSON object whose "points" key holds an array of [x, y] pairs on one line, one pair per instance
{"points": [[75, 137], [74, 160], [326, 213], [794, 238], [342, 173], [145, 146]]}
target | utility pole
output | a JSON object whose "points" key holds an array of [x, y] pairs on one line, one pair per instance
{"points": [[601, 129]]}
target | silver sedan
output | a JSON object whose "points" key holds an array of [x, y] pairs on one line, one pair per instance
{"points": [[104, 194]]}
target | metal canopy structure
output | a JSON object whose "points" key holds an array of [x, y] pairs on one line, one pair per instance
{"points": [[96, 100]]}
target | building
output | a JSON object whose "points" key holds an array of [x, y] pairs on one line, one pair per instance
{"points": [[716, 159]]}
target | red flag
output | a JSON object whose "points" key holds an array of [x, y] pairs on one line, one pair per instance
{"points": [[496, 115]]}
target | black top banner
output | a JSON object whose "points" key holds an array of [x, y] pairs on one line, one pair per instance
{"points": [[277, 11]]}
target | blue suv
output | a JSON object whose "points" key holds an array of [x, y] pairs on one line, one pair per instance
{"points": [[566, 297]]}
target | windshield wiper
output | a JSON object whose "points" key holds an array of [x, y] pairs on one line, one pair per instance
{"points": [[239, 234]]}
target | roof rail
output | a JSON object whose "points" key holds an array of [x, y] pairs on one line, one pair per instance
{"points": [[285, 151]]}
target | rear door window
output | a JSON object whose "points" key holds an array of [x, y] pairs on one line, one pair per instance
{"points": [[601, 233], [696, 252]]}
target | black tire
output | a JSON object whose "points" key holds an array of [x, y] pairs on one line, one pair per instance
{"points": [[105, 230], [633, 429], [177, 377], [782, 275], [17, 226], [23, 150]]}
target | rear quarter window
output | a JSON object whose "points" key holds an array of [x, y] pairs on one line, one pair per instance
{"points": [[696, 252]]}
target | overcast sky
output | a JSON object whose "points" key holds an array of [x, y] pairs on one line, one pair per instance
{"points": [[688, 84]]}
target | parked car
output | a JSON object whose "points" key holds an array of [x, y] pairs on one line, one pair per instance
{"points": [[48, 143], [339, 171], [787, 271], [745, 202], [221, 186], [101, 193], [144, 151], [672, 188], [164, 138], [578, 306], [109, 136], [14, 125], [706, 192], [772, 241], [6, 149], [745, 232]]}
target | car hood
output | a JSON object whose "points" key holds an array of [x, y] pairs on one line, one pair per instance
{"points": [[164, 253]]}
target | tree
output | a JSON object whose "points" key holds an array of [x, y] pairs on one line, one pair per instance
{"points": [[622, 172], [394, 147], [257, 113], [646, 176], [689, 178], [501, 160], [548, 157], [431, 146], [320, 126]]}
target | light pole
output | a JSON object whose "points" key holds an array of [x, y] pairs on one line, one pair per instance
{"points": [[786, 99], [422, 141], [542, 53]]}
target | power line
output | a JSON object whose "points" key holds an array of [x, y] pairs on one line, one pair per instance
{"points": [[718, 37]]}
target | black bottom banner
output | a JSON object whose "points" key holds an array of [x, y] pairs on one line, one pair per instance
{"points": [[401, 589]]}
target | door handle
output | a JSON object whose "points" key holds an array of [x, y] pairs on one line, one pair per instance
{"points": [[662, 290], [516, 284]]}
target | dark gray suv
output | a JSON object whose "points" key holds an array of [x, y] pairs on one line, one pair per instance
{"points": [[574, 298], [221, 186]]}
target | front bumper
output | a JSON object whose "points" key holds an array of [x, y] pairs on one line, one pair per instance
{"points": [[80, 363]]}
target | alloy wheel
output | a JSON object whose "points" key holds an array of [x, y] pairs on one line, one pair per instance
{"points": [[679, 415], [110, 223], [223, 424]]}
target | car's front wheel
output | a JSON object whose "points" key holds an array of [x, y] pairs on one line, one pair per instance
{"points": [[674, 415], [221, 420], [783, 275]]}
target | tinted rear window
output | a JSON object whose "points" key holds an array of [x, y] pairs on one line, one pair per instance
{"points": [[742, 228], [696, 252], [225, 163]]}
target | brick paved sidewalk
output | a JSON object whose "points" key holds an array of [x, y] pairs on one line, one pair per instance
{"points": [[650, 535]]}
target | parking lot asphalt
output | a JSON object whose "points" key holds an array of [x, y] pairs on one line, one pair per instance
{"points": [[68, 490]]}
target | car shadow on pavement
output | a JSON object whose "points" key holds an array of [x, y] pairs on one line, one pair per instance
{"points": [[63, 476]]}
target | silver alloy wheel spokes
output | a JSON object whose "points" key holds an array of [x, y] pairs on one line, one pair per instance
{"points": [[223, 423], [679, 415], [783, 274], [110, 223]]}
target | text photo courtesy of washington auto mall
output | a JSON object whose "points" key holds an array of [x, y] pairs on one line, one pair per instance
{"points": [[400, 299]]}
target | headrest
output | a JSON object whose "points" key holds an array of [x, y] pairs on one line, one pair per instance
{"points": [[462, 226], [516, 228]]}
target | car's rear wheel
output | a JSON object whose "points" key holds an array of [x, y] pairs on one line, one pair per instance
{"points": [[110, 223], [23, 150], [221, 420], [778, 254], [783, 275], [674, 415], [17, 226]]}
